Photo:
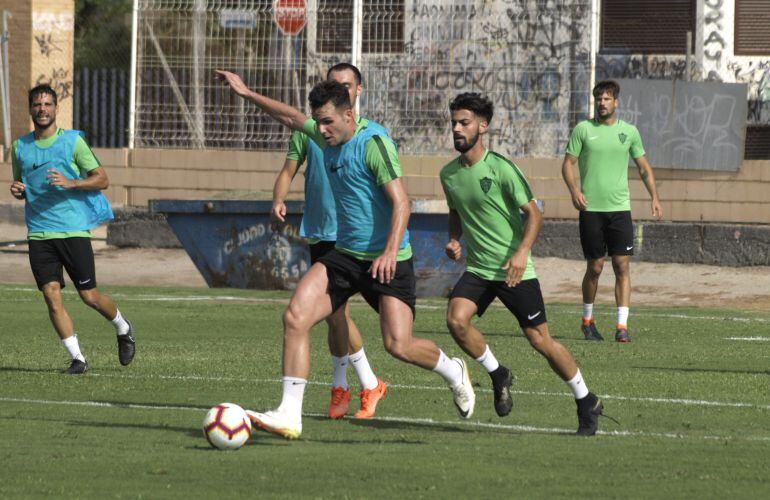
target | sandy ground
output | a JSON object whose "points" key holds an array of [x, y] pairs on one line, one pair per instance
{"points": [[652, 284]]}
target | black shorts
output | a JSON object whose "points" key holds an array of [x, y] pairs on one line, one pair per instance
{"points": [[348, 275], [319, 249], [524, 300], [48, 257], [606, 233]]}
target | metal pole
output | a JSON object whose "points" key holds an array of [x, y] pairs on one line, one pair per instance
{"points": [[688, 57], [358, 22], [132, 83], [594, 49], [5, 83], [199, 54]]}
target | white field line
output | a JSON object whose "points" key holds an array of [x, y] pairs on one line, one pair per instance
{"points": [[750, 339], [360, 302], [406, 420], [678, 401]]}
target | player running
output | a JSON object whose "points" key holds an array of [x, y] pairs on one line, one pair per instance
{"points": [[319, 226], [485, 192], [372, 254]]}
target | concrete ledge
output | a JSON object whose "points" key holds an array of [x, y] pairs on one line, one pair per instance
{"points": [[139, 228], [685, 243]]}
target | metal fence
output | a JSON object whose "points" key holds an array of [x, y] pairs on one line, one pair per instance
{"points": [[101, 105], [532, 58]]}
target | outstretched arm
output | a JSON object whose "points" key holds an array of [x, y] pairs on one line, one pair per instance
{"points": [[282, 113], [645, 172]]}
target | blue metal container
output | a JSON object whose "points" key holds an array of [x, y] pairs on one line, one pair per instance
{"points": [[233, 245]]}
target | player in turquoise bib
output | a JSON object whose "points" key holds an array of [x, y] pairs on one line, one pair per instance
{"points": [[601, 147], [319, 226], [372, 254], [60, 179], [484, 192]]}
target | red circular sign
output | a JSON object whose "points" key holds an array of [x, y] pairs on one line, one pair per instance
{"points": [[290, 15]]}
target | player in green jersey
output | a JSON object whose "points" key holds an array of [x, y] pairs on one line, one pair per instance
{"points": [[319, 226], [484, 192], [601, 147]]}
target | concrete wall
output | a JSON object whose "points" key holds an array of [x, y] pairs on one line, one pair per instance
{"points": [[140, 175]]}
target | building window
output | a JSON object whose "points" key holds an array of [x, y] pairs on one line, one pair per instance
{"points": [[752, 27], [383, 26], [647, 27]]}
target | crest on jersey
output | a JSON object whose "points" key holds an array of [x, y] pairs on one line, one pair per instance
{"points": [[622, 137], [485, 183]]}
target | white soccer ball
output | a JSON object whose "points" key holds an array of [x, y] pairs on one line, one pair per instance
{"points": [[226, 426]]}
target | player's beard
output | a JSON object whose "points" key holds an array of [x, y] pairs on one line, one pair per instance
{"points": [[467, 145]]}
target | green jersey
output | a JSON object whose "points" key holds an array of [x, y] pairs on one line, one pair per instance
{"points": [[603, 152], [487, 196], [83, 160]]}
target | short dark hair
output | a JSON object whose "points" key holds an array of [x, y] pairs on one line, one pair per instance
{"points": [[610, 86], [474, 102], [43, 89], [343, 66], [329, 91]]}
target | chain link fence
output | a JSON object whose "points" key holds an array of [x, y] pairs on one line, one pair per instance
{"points": [[532, 58]]}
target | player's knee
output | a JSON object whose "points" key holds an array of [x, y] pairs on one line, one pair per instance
{"points": [[90, 298], [539, 341], [398, 350], [52, 294], [294, 318], [457, 326]]}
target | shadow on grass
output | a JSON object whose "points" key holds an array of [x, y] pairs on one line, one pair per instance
{"points": [[704, 370]]}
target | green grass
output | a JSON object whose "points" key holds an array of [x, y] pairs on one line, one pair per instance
{"points": [[693, 408]]}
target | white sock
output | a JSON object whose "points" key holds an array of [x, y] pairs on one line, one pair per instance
{"points": [[365, 374], [623, 316], [340, 365], [121, 325], [293, 394], [588, 312], [73, 347], [449, 369], [578, 386], [488, 360]]}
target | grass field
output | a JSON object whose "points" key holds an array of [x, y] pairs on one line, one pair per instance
{"points": [[692, 400]]}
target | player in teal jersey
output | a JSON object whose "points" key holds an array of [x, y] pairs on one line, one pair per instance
{"points": [[484, 192], [372, 254], [319, 226], [58, 176], [601, 147]]}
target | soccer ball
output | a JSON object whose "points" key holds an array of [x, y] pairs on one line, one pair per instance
{"points": [[226, 426]]}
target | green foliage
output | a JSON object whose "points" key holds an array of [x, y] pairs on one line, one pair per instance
{"points": [[103, 33], [691, 402]]}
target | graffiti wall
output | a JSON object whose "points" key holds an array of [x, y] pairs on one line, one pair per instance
{"points": [[716, 62], [531, 58]]}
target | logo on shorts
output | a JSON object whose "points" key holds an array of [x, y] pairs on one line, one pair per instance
{"points": [[486, 184], [622, 137], [533, 316], [84, 281], [629, 248]]}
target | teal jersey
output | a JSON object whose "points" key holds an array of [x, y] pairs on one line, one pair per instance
{"points": [[357, 170]]}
